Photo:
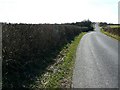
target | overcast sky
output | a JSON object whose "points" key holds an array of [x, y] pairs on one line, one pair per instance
{"points": [[58, 11]]}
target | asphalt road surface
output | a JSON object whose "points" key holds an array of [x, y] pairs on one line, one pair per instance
{"points": [[96, 63]]}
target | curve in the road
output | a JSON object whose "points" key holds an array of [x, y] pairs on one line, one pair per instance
{"points": [[96, 63]]}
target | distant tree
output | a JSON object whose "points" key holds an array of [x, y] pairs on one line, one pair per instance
{"points": [[85, 23], [102, 24]]}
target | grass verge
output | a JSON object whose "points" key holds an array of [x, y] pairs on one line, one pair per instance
{"points": [[59, 75], [111, 35]]}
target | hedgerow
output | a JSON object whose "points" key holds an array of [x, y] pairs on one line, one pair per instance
{"points": [[29, 48]]}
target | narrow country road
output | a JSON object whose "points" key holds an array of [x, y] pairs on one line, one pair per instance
{"points": [[96, 63]]}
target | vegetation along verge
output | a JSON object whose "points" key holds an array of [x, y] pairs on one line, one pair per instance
{"points": [[59, 75], [29, 51], [112, 31]]}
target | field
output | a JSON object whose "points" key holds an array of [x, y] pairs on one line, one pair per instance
{"points": [[112, 30], [115, 26]]}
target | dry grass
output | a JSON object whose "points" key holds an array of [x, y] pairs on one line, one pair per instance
{"points": [[59, 75]]}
